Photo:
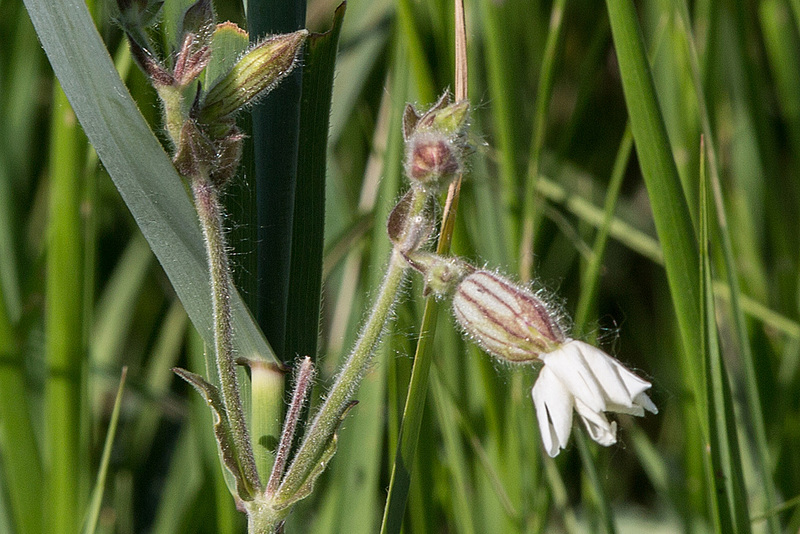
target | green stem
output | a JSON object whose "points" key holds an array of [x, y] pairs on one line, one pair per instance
{"points": [[349, 378], [63, 325], [209, 210]]}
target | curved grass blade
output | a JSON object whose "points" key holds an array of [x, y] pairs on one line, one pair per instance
{"points": [[670, 210], [141, 170], [90, 524], [749, 365], [726, 482]]}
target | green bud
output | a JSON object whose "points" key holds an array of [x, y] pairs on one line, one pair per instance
{"points": [[441, 274], [254, 75], [505, 319], [444, 118], [449, 120]]}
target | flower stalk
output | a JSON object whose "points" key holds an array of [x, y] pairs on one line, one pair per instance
{"points": [[349, 378], [209, 211]]}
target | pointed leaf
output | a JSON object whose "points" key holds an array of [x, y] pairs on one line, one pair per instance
{"points": [[222, 429]]}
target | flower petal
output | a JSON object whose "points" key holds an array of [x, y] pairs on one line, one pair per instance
{"points": [[554, 405], [597, 425], [644, 401], [569, 365], [609, 373]]}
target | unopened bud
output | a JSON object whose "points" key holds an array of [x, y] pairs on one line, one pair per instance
{"points": [[431, 159], [254, 75], [505, 319], [449, 120], [442, 274], [406, 231], [444, 118]]}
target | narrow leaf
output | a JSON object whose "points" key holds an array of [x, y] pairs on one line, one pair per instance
{"points": [[305, 275], [222, 429], [90, 525], [141, 170]]}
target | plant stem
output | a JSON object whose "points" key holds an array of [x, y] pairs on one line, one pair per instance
{"points": [[349, 378], [209, 210]]}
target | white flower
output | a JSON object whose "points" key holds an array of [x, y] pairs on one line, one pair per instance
{"points": [[584, 378]]}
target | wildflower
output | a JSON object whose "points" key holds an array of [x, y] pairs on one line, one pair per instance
{"points": [[434, 142], [584, 378], [515, 325]]}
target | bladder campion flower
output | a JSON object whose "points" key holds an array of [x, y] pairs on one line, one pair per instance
{"points": [[584, 378], [515, 325]]}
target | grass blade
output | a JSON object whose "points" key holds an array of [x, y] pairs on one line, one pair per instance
{"points": [[305, 280], [728, 494], [90, 525], [276, 124], [670, 210], [64, 347]]}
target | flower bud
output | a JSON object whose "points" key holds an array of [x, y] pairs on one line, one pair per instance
{"points": [[431, 159], [505, 319], [442, 274], [443, 117], [254, 75], [408, 232]]}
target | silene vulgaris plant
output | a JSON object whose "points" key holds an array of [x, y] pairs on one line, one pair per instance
{"points": [[507, 320]]}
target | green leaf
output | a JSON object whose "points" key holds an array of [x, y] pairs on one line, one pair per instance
{"points": [[90, 526], [726, 480], [141, 170], [276, 123], [670, 210], [305, 275], [222, 429]]}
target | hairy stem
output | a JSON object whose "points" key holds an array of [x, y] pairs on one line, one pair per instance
{"points": [[305, 374], [329, 415], [209, 210]]}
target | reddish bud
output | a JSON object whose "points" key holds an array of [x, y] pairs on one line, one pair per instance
{"points": [[431, 159]]}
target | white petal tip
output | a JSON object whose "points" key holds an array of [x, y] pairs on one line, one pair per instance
{"points": [[644, 401]]}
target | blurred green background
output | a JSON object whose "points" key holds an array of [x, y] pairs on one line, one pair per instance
{"points": [[555, 195]]}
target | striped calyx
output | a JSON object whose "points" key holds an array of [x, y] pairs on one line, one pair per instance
{"points": [[505, 319], [256, 73]]}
